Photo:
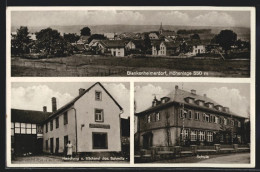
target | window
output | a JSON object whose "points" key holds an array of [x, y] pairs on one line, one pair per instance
{"points": [[225, 121], [34, 130], [57, 122], [183, 113], [57, 145], [193, 135], [216, 120], [28, 128], [46, 127], [118, 53], [206, 117], [51, 125], [197, 116], [209, 136], [99, 115], [99, 140], [185, 134], [158, 117], [17, 128], [232, 122], [238, 123], [23, 128], [65, 118], [149, 118], [47, 146], [98, 94], [202, 135], [189, 114], [12, 129]]}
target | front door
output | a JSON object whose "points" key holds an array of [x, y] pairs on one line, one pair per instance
{"points": [[147, 140], [51, 145]]}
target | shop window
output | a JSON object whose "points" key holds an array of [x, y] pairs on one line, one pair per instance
{"points": [[193, 135], [99, 140]]}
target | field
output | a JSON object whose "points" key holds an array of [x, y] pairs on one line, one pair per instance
{"points": [[95, 65]]}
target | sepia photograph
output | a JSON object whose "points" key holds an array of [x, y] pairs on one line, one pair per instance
{"points": [[62, 123], [131, 42], [192, 122]]}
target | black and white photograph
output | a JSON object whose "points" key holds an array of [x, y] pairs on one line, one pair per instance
{"points": [[205, 123], [64, 123], [131, 42]]}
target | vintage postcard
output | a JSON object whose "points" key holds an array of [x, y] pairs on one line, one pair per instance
{"points": [[130, 86], [131, 41]]}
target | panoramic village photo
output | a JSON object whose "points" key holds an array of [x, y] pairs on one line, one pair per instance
{"points": [[114, 42], [192, 123], [75, 122]]}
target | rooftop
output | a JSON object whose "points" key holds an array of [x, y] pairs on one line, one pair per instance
{"points": [[28, 116]]}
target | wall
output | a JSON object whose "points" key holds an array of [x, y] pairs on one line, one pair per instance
{"points": [[130, 45], [85, 115], [63, 130], [120, 52]]}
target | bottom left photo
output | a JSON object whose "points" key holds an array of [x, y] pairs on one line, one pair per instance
{"points": [[64, 122]]}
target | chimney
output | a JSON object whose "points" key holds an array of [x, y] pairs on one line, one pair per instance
{"points": [[176, 87], [44, 108], [81, 91], [54, 104], [205, 95], [193, 92]]}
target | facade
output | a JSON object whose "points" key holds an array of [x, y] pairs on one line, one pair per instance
{"points": [[164, 48], [153, 35], [91, 122], [26, 131], [114, 47], [185, 117], [135, 45], [198, 49]]}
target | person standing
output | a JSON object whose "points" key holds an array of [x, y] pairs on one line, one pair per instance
{"points": [[69, 149]]}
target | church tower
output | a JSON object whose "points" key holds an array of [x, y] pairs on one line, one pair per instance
{"points": [[161, 29]]}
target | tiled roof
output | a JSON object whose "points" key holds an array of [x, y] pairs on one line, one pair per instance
{"points": [[28, 116], [71, 103], [179, 95], [138, 43], [113, 43]]}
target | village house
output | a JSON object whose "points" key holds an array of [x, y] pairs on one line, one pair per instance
{"points": [[113, 47], [26, 131], [135, 45], [153, 35], [164, 48], [198, 49], [186, 117], [91, 122]]}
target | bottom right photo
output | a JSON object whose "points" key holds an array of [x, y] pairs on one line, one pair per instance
{"points": [[192, 122]]}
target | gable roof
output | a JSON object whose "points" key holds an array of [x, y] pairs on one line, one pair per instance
{"points": [[113, 43], [71, 103], [171, 45], [28, 116], [179, 95], [138, 43]]}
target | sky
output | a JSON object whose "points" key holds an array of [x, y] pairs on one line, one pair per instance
{"points": [[33, 96], [131, 17], [235, 96]]}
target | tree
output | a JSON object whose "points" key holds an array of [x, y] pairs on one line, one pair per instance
{"points": [[195, 37], [50, 42], [147, 43], [96, 36], [226, 38], [20, 41], [85, 31], [71, 37]]}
